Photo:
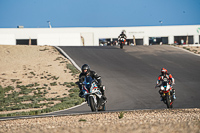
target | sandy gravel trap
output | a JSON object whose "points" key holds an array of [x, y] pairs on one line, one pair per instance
{"points": [[139, 121]]}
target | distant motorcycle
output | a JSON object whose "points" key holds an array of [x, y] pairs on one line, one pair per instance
{"points": [[122, 42], [166, 93], [92, 94]]}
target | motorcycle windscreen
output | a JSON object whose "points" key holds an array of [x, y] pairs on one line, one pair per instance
{"points": [[88, 81]]}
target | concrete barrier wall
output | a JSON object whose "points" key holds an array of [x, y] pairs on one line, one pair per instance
{"points": [[70, 39]]}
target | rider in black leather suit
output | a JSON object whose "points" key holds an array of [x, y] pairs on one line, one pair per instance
{"points": [[87, 72]]}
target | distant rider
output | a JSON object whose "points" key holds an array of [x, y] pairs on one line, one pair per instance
{"points": [[87, 72], [169, 77], [122, 37]]}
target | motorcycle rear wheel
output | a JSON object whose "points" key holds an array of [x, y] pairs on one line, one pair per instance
{"points": [[92, 104]]}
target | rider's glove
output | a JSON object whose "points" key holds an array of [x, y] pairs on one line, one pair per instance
{"points": [[156, 86]]}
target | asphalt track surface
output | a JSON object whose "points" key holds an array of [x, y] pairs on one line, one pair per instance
{"points": [[130, 75]]}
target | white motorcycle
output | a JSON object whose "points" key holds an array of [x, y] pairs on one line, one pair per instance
{"points": [[92, 94]]}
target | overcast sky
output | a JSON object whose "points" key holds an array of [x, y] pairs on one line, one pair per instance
{"points": [[98, 13]]}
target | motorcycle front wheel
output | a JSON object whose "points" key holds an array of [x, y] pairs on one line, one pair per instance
{"points": [[92, 104], [168, 102], [121, 45]]}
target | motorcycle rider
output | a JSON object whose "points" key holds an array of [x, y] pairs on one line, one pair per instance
{"points": [[87, 72], [122, 37], [164, 73]]}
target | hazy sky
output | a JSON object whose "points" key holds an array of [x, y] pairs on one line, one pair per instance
{"points": [[98, 13]]}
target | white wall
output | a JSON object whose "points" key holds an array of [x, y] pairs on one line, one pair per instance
{"points": [[71, 39], [7, 39], [72, 36]]}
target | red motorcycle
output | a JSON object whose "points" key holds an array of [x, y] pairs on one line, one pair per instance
{"points": [[166, 93], [122, 42]]}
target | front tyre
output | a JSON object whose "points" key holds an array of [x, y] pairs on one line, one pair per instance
{"points": [[92, 104], [168, 102], [121, 45]]}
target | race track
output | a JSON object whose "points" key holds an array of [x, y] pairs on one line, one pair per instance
{"points": [[130, 75]]}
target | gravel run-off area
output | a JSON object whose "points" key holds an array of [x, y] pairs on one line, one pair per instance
{"points": [[138, 121]]}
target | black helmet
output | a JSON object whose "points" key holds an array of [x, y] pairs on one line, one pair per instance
{"points": [[85, 67], [123, 31]]}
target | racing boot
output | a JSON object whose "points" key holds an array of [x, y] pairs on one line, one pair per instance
{"points": [[102, 89], [81, 94], [160, 92], [104, 99], [161, 98]]}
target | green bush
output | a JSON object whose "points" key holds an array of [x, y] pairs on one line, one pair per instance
{"points": [[65, 83], [82, 120], [74, 90], [7, 89], [121, 115], [68, 86], [50, 102], [36, 84], [30, 85], [13, 101], [72, 84], [45, 84], [32, 73], [19, 82], [54, 78], [14, 80], [53, 84], [72, 69], [74, 95], [36, 106]]}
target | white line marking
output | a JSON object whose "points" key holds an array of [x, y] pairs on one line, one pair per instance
{"points": [[69, 108], [74, 63], [66, 55]]}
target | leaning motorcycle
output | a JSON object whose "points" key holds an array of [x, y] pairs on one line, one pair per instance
{"points": [[92, 94], [166, 93]]}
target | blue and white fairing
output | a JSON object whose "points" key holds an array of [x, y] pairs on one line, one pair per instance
{"points": [[90, 87]]}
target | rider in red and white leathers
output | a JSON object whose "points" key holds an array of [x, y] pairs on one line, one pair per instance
{"points": [[164, 73]]}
